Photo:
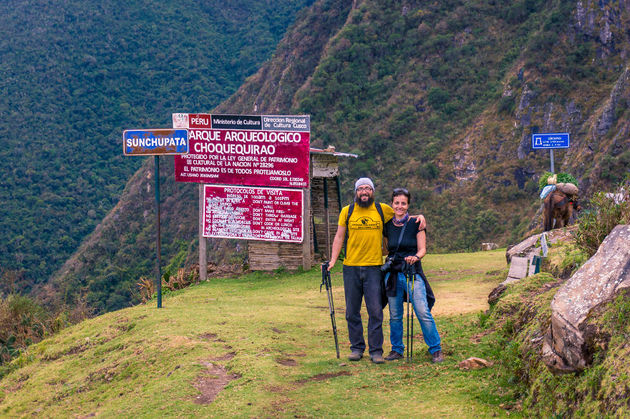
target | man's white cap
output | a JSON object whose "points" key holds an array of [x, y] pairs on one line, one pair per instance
{"points": [[363, 181]]}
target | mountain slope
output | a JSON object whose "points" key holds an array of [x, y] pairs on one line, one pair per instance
{"points": [[439, 97], [109, 263], [75, 74]]}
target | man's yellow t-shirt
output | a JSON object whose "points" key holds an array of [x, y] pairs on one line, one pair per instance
{"points": [[365, 234]]}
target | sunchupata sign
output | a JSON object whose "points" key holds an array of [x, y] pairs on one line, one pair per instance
{"points": [[155, 142], [253, 150], [268, 214]]}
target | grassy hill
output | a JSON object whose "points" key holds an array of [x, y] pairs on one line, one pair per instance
{"points": [[261, 345], [75, 74]]}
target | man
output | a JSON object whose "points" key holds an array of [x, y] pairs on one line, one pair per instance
{"points": [[361, 267]]}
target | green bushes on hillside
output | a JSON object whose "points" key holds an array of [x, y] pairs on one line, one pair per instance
{"points": [[76, 74], [22, 322], [602, 215]]}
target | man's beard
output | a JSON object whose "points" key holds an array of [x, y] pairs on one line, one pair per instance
{"points": [[364, 204]]}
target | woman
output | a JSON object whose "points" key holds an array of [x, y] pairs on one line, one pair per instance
{"points": [[406, 245]]}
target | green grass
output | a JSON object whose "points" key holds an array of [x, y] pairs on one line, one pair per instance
{"points": [[273, 331]]}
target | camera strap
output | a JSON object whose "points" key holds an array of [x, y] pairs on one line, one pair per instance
{"points": [[402, 231]]}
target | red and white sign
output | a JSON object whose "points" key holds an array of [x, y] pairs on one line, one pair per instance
{"points": [[255, 150], [237, 212]]}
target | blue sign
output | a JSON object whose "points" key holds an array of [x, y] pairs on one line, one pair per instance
{"points": [[155, 142], [551, 140]]}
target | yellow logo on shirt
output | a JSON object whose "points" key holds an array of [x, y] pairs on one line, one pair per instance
{"points": [[365, 223]]}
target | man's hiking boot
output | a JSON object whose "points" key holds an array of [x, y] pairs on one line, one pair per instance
{"points": [[355, 356], [377, 358], [393, 355], [437, 357]]}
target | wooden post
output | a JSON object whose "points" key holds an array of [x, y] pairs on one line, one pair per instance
{"points": [[203, 254], [327, 218], [306, 225]]}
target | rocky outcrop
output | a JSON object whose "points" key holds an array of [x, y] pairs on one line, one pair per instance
{"points": [[567, 345], [520, 257], [465, 168], [531, 246], [620, 91]]}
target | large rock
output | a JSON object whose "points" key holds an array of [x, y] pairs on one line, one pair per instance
{"points": [[567, 344]]}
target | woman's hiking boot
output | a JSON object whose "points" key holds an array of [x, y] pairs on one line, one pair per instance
{"points": [[393, 355], [437, 357]]}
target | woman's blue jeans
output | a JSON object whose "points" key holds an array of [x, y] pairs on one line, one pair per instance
{"points": [[396, 310]]}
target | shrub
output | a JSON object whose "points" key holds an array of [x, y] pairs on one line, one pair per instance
{"points": [[437, 97], [22, 322], [507, 105], [564, 259], [596, 223]]}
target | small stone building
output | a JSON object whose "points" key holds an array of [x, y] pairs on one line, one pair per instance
{"points": [[322, 203]]}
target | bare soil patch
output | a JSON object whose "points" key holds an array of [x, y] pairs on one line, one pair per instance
{"points": [[212, 337], [226, 357], [288, 362], [104, 374], [211, 382], [71, 351], [323, 377], [302, 354]]}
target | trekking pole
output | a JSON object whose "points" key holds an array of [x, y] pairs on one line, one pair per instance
{"points": [[409, 277], [413, 278], [331, 305], [407, 291]]}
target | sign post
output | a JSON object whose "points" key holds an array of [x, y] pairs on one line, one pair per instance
{"points": [[158, 240], [156, 142], [551, 141]]}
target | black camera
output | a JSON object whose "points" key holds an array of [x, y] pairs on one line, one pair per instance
{"points": [[387, 266]]}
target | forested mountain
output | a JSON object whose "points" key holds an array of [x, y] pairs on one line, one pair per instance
{"points": [[75, 74], [441, 97]]}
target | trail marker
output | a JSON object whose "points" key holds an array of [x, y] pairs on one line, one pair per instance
{"points": [[551, 141]]}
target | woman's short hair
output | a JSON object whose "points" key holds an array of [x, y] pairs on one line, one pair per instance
{"points": [[401, 191]]}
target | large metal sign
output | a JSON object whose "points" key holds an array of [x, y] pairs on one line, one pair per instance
{"points": [[237, 212], [155, 142], [253, 150], [551, 140]]}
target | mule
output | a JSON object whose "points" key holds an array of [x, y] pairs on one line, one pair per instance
{"points": [[557, 210]]}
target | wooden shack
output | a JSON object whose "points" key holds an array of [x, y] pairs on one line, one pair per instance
{"points": [[322, 203]]}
